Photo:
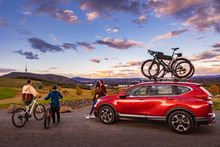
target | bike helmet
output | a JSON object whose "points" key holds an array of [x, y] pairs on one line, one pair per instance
{"points": [[54, 86]]}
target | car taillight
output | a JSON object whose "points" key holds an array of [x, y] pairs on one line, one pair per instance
{"points": [[204, 97]]}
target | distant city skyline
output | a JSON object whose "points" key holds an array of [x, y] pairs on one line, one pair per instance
{"points": [[106, 38]]}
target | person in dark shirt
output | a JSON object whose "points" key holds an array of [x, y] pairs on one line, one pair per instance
{"points": [[55, 97], [100, 91]]}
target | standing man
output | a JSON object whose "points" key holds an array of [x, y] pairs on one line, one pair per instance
{"points": [[28, 93]]}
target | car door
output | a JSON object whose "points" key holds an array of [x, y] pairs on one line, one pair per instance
{"points": [[134, 103], [161, 98]]}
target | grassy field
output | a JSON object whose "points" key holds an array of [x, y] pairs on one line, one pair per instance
{"points": [[216, 102], [6, 92], [16, 83]]}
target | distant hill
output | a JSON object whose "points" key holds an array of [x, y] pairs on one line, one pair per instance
{"points": [[208, 79], [42, 77], [52, 78], [110, 81]]}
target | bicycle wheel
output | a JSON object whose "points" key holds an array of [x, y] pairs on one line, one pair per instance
{"points": [[150, 69], [178, 60], [19, 118], [47, 119], [39, 112], [183, 69]]}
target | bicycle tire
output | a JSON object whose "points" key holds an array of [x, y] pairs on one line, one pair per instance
{"points": [[192, 72], [175, 62], [179, 68], [150, 73], [22, 117], [47, 119], [41, 108]]}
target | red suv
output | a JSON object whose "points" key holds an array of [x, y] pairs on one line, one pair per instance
{"points": [[182, 105]]}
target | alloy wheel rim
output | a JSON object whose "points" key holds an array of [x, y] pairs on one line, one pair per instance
{"points": [[180, 122], [106, 115]]}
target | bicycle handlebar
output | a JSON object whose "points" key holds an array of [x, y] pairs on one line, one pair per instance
{"points": [[151, 52]]}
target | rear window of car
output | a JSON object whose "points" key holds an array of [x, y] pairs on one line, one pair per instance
{"points": [[161, 90], [182, 89]]}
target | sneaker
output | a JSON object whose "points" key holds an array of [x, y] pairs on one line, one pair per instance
{"points": [[92, 116], [88, 117]]}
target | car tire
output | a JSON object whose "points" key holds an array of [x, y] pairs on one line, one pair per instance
{"points": [[107, 115], [181, 122]]}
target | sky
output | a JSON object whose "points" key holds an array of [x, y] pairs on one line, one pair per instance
{"points": [[106, 38]]}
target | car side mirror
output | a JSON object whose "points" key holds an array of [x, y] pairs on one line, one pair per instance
{"points": [[123, 95]]}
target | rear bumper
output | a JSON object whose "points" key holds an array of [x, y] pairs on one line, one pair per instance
{"points": [[206, 120]]}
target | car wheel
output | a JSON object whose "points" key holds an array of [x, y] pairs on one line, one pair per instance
{"points": [[181, 122], [107, 115]]}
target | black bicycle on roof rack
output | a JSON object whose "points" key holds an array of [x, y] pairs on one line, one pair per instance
{"points": [[161, 64]]}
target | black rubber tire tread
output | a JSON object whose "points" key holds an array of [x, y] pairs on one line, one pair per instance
{"points": [[47, 120], [186, 75], [175, 62], [13, 115], [147, 74], [113, 114], [35, 116], [192, 124]]}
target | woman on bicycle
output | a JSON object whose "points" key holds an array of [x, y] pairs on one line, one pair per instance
{"points": [[28, 93], [55, 97]]}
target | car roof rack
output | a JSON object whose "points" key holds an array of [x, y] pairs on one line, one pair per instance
{"points": [[172, 79]]}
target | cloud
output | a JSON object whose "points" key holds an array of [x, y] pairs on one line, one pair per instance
{"points": [[107, 7], [53, 37], [3, 22], [87, 46], [50, 7], [5, 70], [131, 63], [140, 20], [28, 55], [118, 43], [95, 60], [66, 15], [201, 70], [24, 31], [205, 55], [171, 7], [70, 46], [170, 34], [43, 46], [199, 14], [92, 15], [112, 29], [217, 45], [52, 68]]}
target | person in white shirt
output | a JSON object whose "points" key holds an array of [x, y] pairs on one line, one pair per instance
{"points": [[28, 93]]}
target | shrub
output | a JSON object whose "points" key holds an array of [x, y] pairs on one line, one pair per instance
{"points": [[40, 87], [78, 91], [214, 89]]}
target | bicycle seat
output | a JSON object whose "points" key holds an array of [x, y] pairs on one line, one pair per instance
{"points": [[175, 48]]}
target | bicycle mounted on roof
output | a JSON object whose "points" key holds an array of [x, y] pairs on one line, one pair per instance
{"points": [[161, 64]]}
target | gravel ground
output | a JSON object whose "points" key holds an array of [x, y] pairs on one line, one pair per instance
{"points": [[74, 130]]}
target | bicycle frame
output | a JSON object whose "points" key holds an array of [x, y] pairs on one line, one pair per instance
{"points": [[32, 105], [166, 67]]}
